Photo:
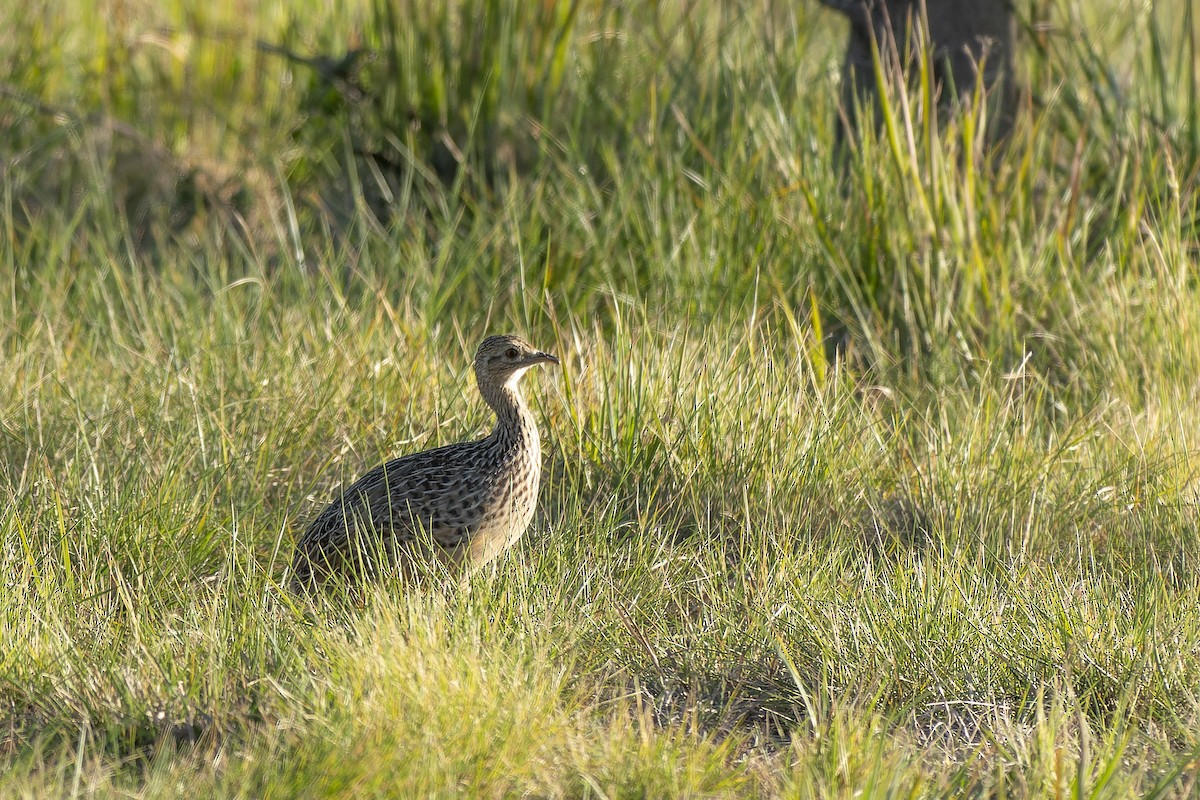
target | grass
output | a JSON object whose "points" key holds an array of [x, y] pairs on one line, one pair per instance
{"points": [[873, 480]]}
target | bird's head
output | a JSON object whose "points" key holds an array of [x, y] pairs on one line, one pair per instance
{"points": [[502, 360]]}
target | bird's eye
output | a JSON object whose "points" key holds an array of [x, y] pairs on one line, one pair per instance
{"points": [[511, 353]]}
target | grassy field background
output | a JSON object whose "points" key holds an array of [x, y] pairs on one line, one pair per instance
{"points": [[863, 481]]}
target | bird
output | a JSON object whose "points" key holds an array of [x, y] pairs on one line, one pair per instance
{"points": [[461, 505]]}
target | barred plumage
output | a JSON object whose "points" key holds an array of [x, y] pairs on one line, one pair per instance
{"points": [[463, 504]]}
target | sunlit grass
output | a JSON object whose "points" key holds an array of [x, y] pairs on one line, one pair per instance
{"points": [[860, 481]]}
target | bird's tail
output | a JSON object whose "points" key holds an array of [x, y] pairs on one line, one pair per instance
{"points": [[301, 577]]}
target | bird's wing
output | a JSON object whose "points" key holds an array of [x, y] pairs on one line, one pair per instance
{"points": [[424, 494]]}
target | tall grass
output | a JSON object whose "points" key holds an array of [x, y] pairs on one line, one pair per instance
{"points": [[871, 480]]}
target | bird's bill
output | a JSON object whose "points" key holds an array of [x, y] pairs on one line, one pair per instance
{"points": [[541, 358]]}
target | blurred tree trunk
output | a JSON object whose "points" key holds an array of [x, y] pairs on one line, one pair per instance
{"points": [[964, 35]]}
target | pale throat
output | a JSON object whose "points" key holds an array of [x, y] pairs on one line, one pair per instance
{"points": [[514, 380], [508, 402]]}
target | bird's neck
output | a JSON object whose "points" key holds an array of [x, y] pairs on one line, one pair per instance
{"points": [[515, 424]]}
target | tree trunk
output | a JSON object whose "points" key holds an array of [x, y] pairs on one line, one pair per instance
{"points": [[963, 35]]}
